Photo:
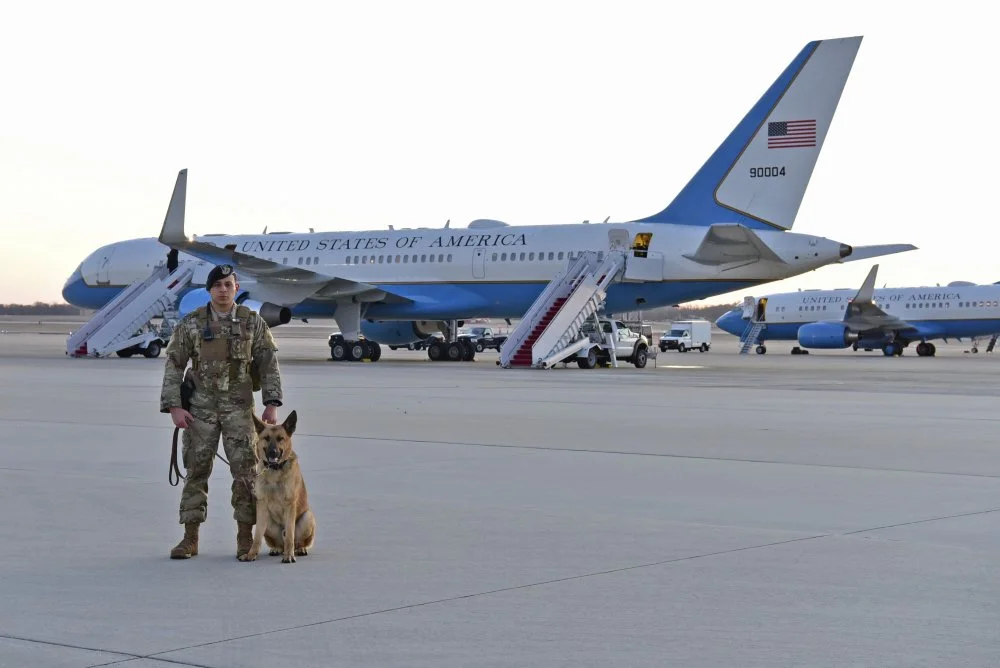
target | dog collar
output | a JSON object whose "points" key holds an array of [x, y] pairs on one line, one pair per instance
{"points": [[275, 467]]}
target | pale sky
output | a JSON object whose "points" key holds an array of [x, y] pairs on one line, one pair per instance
{"points": [[355, 116]]}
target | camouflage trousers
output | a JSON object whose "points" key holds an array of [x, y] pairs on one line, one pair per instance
{"points": [[201, 442]]}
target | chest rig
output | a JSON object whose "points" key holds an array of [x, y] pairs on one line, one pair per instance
{"points": [[223, 357]]}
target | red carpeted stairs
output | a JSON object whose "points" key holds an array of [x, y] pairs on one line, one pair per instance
{"points": [[523, 355]]}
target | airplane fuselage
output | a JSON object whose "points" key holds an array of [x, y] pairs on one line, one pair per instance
{"points": [[487, 270], [935, 312]]}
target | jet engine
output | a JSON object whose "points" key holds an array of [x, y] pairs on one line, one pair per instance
{"points": [[826, 335], [397, 332], [272, 314]]}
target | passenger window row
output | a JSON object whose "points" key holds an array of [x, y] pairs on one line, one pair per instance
{"points": [[441, 257]]}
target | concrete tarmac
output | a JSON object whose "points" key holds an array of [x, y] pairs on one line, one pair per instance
{"points": [[835, 509]]}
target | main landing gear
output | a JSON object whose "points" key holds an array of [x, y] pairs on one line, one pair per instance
{"points": [[925, 349], [894, 348], [452, 349], [343, 350], [456, 351]]}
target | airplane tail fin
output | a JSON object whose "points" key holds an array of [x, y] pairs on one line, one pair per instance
{"points": [[759, 174]]}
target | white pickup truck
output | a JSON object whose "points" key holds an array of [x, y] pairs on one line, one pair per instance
{"points": [[629, 346]]}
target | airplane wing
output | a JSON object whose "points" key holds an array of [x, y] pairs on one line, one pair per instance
{"points": [[863, 315], [732, 242], [278, 283]]}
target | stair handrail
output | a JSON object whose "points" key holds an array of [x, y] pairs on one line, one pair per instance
{"points": [[520, 333], [111, 309]]}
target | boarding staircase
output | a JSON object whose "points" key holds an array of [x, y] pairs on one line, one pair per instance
{"points": [[550, 331], [114, 327], [754, 326]]}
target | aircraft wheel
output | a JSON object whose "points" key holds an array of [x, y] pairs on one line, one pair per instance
{"points": [[975, 350], [889, 349], [931, 350], [356, 351], [376, 351], [435, 352], [454, 352], [338, 352], [761, 349]]}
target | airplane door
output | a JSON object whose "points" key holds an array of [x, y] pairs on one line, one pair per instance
{"points": [[479, 264], [761, 309], [104, 271]]}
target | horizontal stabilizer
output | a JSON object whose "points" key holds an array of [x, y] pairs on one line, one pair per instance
{"points": [[731, 242], [868, 252]]}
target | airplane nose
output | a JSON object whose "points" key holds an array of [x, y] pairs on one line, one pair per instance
{"points": [[71, 288], [729, 321]]}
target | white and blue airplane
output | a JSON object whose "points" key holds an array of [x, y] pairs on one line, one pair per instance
{"points": [[728, 229], [890, 318]]}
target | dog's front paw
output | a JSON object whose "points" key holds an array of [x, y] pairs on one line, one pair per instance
{"points": [[288, 559], [249, 556], [275, 552]]}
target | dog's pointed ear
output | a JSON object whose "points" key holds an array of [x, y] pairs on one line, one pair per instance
{"points": [[289, 423], [257, 424]]}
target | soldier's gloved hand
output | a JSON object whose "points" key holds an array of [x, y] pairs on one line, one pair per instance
{"points": [[182, 419], [270, 415]]}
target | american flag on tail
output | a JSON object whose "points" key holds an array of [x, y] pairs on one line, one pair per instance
{"points": [[791, 134]]}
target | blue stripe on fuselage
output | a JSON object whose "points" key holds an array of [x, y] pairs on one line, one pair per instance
{"points": [[444, 301]]}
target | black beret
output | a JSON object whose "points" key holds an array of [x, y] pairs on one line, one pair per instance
{"points": [[218, 273]]}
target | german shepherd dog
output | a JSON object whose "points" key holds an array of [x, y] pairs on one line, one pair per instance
{"points": [[284, 518]]}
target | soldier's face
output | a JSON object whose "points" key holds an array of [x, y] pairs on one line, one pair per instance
{"points": [[224, 292]]}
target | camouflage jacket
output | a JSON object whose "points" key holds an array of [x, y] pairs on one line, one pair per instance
{"points": [[230, 359]]}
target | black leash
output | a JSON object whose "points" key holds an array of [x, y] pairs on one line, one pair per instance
{"points": [[174, 475]]}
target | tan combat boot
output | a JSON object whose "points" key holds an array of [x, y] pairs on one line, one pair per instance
{"points": [[244, 538], [188, 547]]}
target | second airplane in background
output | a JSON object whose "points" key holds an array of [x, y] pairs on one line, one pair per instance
{"points": [[890, 318]]}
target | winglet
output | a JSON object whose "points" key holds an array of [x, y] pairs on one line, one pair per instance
{"points": [[867, 290], [172, 233]]}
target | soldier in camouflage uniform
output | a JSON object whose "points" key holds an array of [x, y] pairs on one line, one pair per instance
{"points": [[231, 350]]}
